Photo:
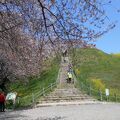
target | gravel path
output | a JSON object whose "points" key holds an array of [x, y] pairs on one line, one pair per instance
{"points": [[69, 112]]}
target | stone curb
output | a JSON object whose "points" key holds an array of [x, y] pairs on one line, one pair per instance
{"points": [[69, 103], [74, 103]]}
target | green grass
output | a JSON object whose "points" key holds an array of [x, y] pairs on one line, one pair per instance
{"points": [[35, 83], [95, 64]]}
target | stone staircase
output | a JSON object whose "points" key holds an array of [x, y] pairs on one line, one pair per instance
{"points": [[65, 93]]}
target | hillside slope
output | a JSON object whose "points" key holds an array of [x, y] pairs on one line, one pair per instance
{"points": [[35, 83], [93, 65]]}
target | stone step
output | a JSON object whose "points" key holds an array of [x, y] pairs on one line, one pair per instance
{"points": [[68, 103], [68, 90], [53, 96], [65, 92], [82, 96], [57, 101], [66, 98]]}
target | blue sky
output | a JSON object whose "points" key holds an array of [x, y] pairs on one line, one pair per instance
{"points": [[110, 42]]}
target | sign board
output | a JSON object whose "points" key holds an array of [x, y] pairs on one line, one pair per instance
{"points": [[107, 92], [11, 96]]}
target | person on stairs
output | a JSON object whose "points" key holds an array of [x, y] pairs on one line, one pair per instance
{"points": [[69, 77]]}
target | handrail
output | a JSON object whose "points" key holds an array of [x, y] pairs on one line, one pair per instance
{"points": [[91, 91], [43, 91], [33, 97]]}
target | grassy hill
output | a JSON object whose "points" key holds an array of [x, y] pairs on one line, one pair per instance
{"points": [[97, 68], [35, 84]]}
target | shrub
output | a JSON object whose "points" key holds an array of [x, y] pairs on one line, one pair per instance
{"points": [[77, 71], [98, 84]]}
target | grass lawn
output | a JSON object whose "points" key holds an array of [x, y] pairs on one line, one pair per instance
{"points": [[97, 68]]}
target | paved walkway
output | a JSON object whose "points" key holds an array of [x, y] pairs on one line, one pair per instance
{"points": [[70, 112]]}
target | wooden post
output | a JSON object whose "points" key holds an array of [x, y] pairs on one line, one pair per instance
{"points": [[81, 86], [43, 91], [107, 98], [90, 90], [18, 100], [14, 102], [33, 98], [51, 86], [101, 98], [115, 97]]}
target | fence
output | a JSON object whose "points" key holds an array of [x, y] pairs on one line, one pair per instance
{"points": [[98, 94], [33, 99]]}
